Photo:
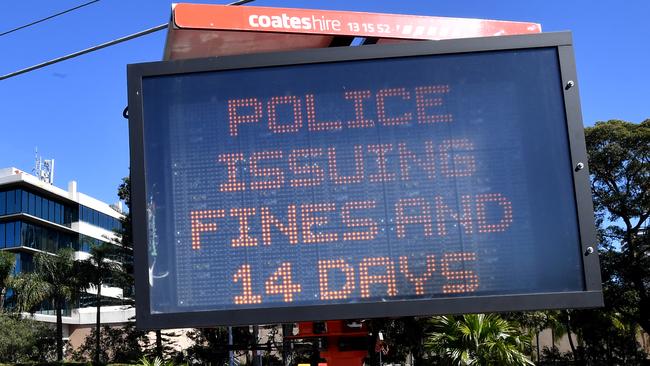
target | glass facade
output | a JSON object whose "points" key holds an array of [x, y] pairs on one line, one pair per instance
{"points": [[22, 201], [26, 234], [24, 262], [98, 219]]}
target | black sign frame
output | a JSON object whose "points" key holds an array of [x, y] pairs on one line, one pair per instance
{"points": [[562, 41]]}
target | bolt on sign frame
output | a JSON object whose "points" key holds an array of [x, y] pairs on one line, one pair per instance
{"points": [[156, 201]]}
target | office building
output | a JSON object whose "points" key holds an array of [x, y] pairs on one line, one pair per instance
{"points": [[38, 217]]}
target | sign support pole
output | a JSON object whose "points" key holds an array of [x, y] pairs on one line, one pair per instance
{"points": [[230, 352]]}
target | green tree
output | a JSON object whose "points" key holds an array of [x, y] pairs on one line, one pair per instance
{"points": [[605, 338], [125, 237], [619, 164], [118, 345], [210, 346], [6, 269], [55, 279], [126, 240], [477, 339], [98, 270], [23, 340], [558, 321], [29, 289], [534, 322]]}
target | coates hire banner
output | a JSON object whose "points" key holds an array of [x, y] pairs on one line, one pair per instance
{"points": [[250, 18]]}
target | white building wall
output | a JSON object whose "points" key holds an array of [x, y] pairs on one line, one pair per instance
{"points": [[14, 175], [94, 231]]}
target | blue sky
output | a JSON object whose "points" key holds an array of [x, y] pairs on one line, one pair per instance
{"points": [[72, 111]]}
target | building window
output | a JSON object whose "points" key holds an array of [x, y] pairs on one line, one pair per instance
{"points": [[98, 219], [11, 196], [51, 207], [68, 217], [17, 200], [25, 201], [24, 263], [21, 201], [3, 203], [31, 209], [50, 240], [39, 205], [9, 235], [44, 208]]}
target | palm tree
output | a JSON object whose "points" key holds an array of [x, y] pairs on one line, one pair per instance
{"points": [[6, 269], [477, 339], [29, 288], [55, 280], [98, 269], [534, 322]]}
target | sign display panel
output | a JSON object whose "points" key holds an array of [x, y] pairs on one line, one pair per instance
{"points": [[363, 182]]}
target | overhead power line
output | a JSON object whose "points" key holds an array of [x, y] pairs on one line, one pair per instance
{"points": [[87, 50], [47, 18], [100, 46]]}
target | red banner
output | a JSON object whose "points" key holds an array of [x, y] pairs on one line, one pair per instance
{"points": [[306, 21]]}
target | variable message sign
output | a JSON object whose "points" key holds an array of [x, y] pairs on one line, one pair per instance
{"points": [[428, 178]]}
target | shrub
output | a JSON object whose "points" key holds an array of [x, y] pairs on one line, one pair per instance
{"points": [[23, 340]]}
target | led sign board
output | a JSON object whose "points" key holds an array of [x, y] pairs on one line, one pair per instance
{"points": [[427, 178]]}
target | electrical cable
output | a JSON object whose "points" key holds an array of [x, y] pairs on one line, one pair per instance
{"points": [[100, 46], [47, 18], [87, 50]]}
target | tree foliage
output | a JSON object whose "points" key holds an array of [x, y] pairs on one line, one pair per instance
{"points": [[210, 346], [117, 345], [29, 291], [606, 337], [125, 239], [98, 270], [477, 339], [619, 163], [7, 261], [55, 280], [24, 340]]}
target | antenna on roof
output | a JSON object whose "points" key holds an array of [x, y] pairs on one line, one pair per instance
{"points": [[43, 169]]}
